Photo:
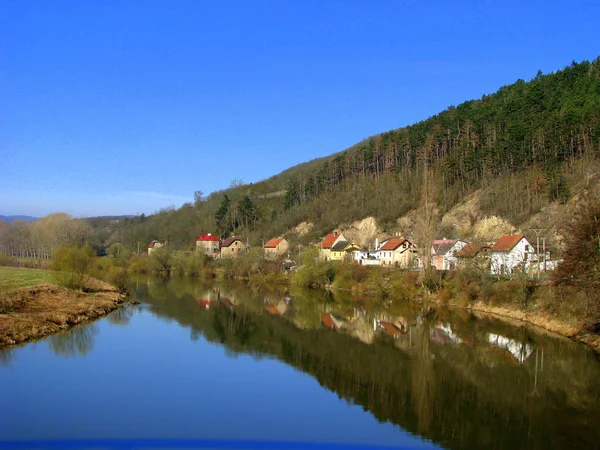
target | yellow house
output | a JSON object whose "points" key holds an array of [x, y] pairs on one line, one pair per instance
{"points": [[328, 242], [343, 250]]}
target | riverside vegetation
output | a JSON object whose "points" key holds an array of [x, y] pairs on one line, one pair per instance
{"points": [[526, 156]]}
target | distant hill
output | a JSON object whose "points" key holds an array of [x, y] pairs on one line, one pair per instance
{"points": [[13, 218], [517, 157]]}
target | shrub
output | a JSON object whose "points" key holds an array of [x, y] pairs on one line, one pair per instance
{"points": [[71, 265]]}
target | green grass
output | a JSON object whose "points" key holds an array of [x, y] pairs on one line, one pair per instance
{"points": [[12, 277]]}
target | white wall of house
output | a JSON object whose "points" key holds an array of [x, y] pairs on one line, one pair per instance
{"points": [[450, 261], [506, 262]]}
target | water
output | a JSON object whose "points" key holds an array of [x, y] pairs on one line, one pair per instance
{"points": [[227, 366]]}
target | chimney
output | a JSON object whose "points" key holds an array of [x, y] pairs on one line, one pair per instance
{"points": [[335, 233], [376, 244], [209, 234]]}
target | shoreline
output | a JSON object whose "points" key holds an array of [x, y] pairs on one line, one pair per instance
{"points": [[47, 309], [573, 331]]}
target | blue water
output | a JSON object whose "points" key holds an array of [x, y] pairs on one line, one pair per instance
{"points": [[148, 380], [259, 369]]}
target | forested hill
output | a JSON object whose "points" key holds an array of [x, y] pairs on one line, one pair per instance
{"points": [[525, 147]]}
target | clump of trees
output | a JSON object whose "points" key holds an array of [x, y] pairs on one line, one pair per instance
{"points": [[580, 269], [72, 264]]}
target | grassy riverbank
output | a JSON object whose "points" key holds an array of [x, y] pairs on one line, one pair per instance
{"points": [[31, 307]]}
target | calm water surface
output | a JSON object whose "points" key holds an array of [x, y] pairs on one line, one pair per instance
{"points": [[229, 363]]}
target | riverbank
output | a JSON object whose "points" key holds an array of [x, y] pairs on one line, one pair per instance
{"points": [[572, 329], [33, 312]]}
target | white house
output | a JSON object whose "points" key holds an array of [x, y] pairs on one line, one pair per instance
{"points": [[444, 253], [511, 253]]}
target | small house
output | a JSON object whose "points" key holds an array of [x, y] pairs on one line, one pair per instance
{"points": [[153, 246], [232, 247], [511, 253], [398, 252], [327, 243], [475, 254], [275, 248], [209, 245], [343, 250], [444, 251]]}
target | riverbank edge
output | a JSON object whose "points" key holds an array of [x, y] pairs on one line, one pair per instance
{"points": [[545, 321], [72, 308]]}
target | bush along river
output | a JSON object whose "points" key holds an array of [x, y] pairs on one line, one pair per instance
{"points": [[225, 365]]}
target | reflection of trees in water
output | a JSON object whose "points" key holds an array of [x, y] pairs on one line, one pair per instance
{"points": [[121, 316], [463, 395], [7, 357], [423, 379], [77, 341]]}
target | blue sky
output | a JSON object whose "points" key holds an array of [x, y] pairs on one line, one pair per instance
{"points": [[125, 107]]}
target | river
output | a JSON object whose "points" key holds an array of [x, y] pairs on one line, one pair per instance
{"points": [[225, 365]]}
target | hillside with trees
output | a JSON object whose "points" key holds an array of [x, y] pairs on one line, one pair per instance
{"points": [[521, 155]]}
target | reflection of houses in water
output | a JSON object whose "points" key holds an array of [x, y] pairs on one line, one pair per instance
{"points": [[519, 351], [209, 299], [330, 321], [228, 302], [277, 309], [392, 328], [442, 333]]}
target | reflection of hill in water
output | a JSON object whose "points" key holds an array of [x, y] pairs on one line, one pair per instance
{"points": [[460, 394]]}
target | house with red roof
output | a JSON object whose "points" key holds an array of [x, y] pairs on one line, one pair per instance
{"points": [[398, 252], [153, 246], [475, 255], [232, 247], [510, 254], [209, 245], [327, 243], [444, 253], [275, 248]]}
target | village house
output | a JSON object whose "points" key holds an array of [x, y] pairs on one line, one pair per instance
{"points": [[153, 246], [443, 253], [232, 247], [510, 254], [275, 248], [475, 254], [329, 241], [398, 252], [209, 245], [342, 250]]}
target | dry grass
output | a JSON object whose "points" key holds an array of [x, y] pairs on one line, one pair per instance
{"points": [[31, 312]]}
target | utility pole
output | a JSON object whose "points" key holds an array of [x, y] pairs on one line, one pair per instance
{"points": [[537, 248], [544, 252]]}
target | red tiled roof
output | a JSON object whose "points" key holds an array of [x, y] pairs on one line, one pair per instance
{"points": [[208, 237], [507, 243], [329, 240], [227, 242], [153, 243], [472, 249], [393, 244], [273, 243]]}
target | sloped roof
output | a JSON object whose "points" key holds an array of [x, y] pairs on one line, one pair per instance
{"points": [[340, 246], [208, 237], [507, 243], [153, 243], [442, 246], [227, 242], [393, 243], [273, 243], [272, 309], [328, 240], [472, 249]]}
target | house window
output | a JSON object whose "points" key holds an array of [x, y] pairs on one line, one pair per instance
{"points": [[526, 248]]}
